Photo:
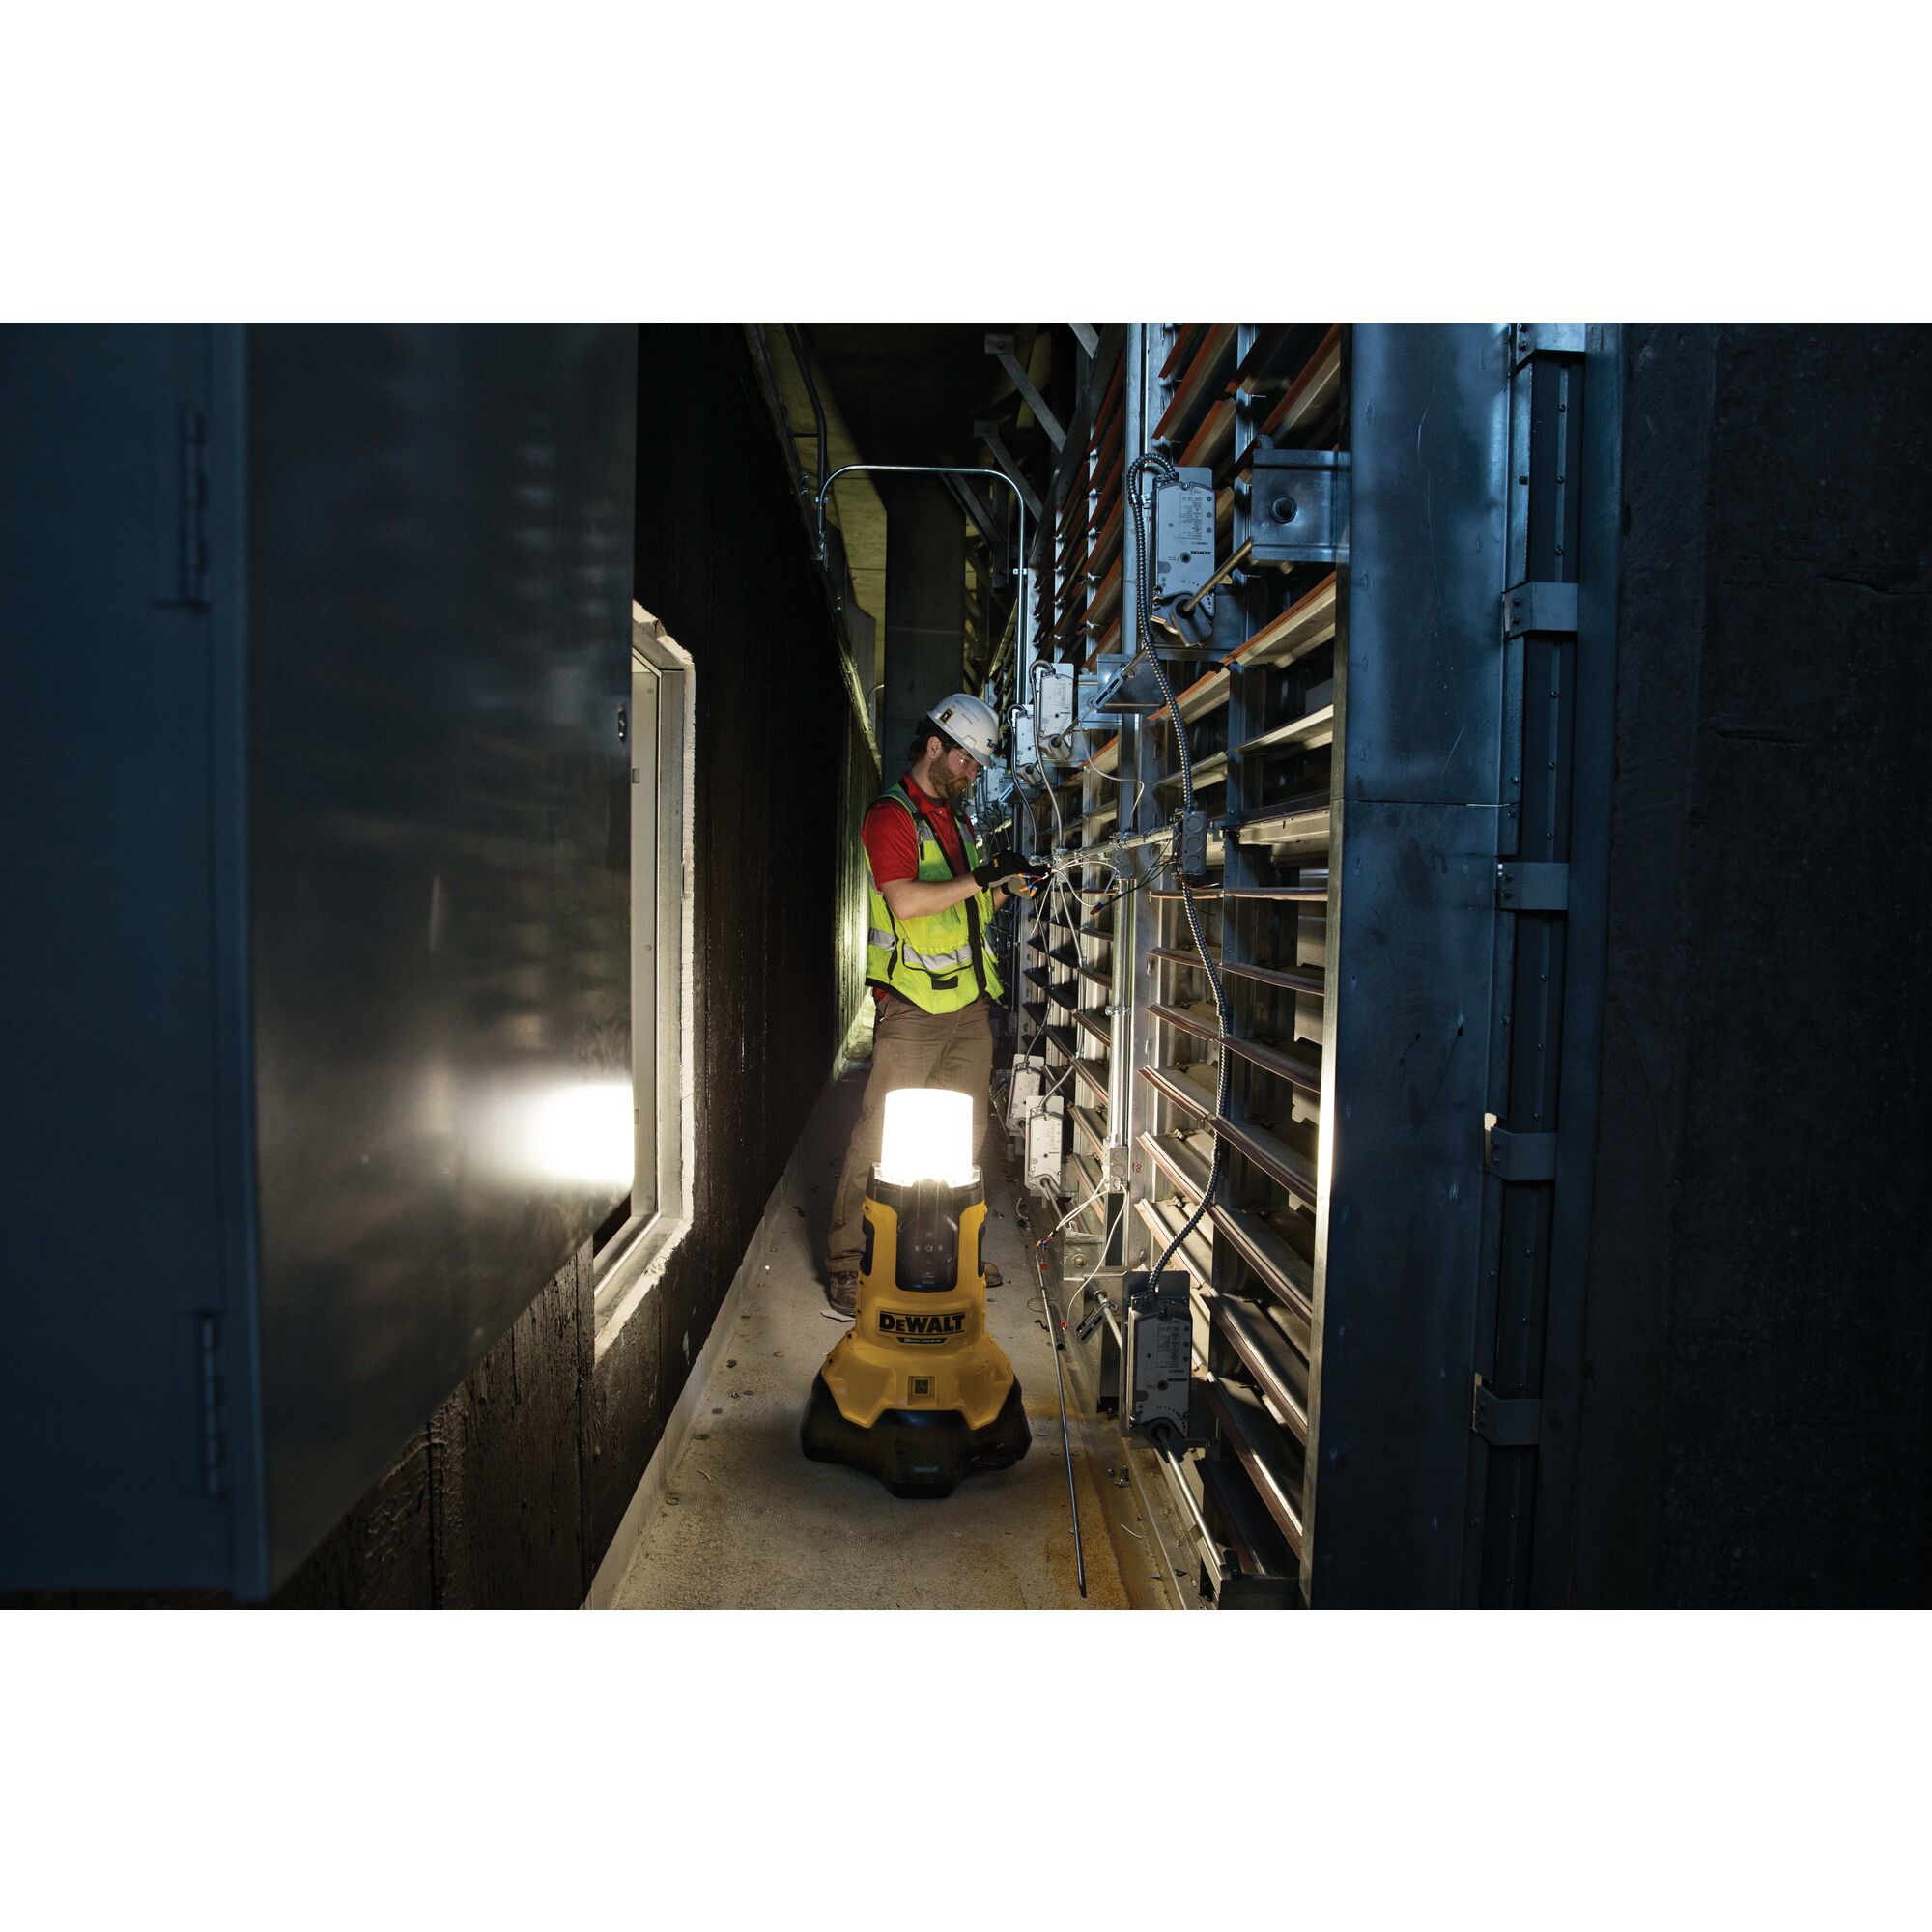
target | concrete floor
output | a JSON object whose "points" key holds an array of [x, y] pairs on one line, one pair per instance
{"points": [[748, 1522]]}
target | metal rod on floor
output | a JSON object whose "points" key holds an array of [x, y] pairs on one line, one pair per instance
{"points": [[1065, 1442]]}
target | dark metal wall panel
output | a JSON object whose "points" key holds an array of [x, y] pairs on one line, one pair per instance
{"points": [[1427, 564], [510, 1492], [1397, 1274], [1755, 1422], [440, 623], [1412, 923], [120, 595]]}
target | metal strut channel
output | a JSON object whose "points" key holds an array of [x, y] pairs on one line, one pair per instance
{"points": [[1558, 681]]}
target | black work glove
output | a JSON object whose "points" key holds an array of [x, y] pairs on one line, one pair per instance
{"points": [[1004, 865]]}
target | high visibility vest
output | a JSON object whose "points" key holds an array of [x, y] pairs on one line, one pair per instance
{"points": [[940, 960]]}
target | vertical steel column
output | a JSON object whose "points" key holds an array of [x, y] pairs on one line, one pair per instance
{"points": [[1411, 915]]}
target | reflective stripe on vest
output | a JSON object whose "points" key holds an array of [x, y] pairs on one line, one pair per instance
{"points": [[932, 963]]}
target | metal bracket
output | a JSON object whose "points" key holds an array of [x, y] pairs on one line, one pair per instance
{"points": [[181, 553], [988, 433], [1298, 507], [1544, 338], [213, 1451], [1532, 886], [1517, 1156], [1550, 608], [1509, 1422], [1133, 687]]}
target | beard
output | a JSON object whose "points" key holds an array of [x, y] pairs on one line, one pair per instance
{"points": [[947, 786]]}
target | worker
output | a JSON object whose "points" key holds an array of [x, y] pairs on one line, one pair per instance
{"points": [[932, 889]]}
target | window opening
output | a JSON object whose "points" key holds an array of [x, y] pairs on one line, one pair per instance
{"points": [[638, 1237]]}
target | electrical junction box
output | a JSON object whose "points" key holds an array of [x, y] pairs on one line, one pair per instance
{"points": [[1045, 1141], [1053, 707], [1025, 747], [1191, 844], [1023, 1094], [1159, 1364], [1184, 535]]}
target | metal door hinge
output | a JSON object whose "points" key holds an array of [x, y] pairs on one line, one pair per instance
{"points": [[1532, 886], [1550, 608], [214, 1449], [1509, 1422], [193, 526], [1517, 1156], [1544, 338]]}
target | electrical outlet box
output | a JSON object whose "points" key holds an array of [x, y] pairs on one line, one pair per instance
{"points": [[1184, 524], [1045, 1142], [1160, 1357], [1023, 1099], [1025, 747], [1191, 844], [1053, 703]]}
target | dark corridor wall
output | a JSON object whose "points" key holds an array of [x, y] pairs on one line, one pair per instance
{"points": [[724, 561], [510, 1492], [1756, 1415], [513, 1491]]}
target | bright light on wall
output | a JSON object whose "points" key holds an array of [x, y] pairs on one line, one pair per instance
{"points": [[580, 1136], [585, 1133], [929, 1137]]}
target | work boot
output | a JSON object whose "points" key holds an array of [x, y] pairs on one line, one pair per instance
{"points": [[994, 1278], [842, 1290]]}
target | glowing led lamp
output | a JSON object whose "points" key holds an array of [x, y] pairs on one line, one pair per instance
{"points": [[929, 1137]]}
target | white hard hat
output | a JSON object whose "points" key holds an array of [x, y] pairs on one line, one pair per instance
{"points": [[971, 723]]}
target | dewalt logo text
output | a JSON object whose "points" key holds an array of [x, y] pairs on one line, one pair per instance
{"points": [[922, 1327]]}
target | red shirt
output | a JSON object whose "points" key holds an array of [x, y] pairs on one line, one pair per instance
{"points": [[892, 842]]}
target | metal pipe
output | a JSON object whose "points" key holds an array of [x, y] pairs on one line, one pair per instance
{"points": [[1174, 1467], [1066, 858], [1065, 1442], [940, 470]]}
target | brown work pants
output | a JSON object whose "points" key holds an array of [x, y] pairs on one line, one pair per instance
{"points": [[910, 1048]]}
